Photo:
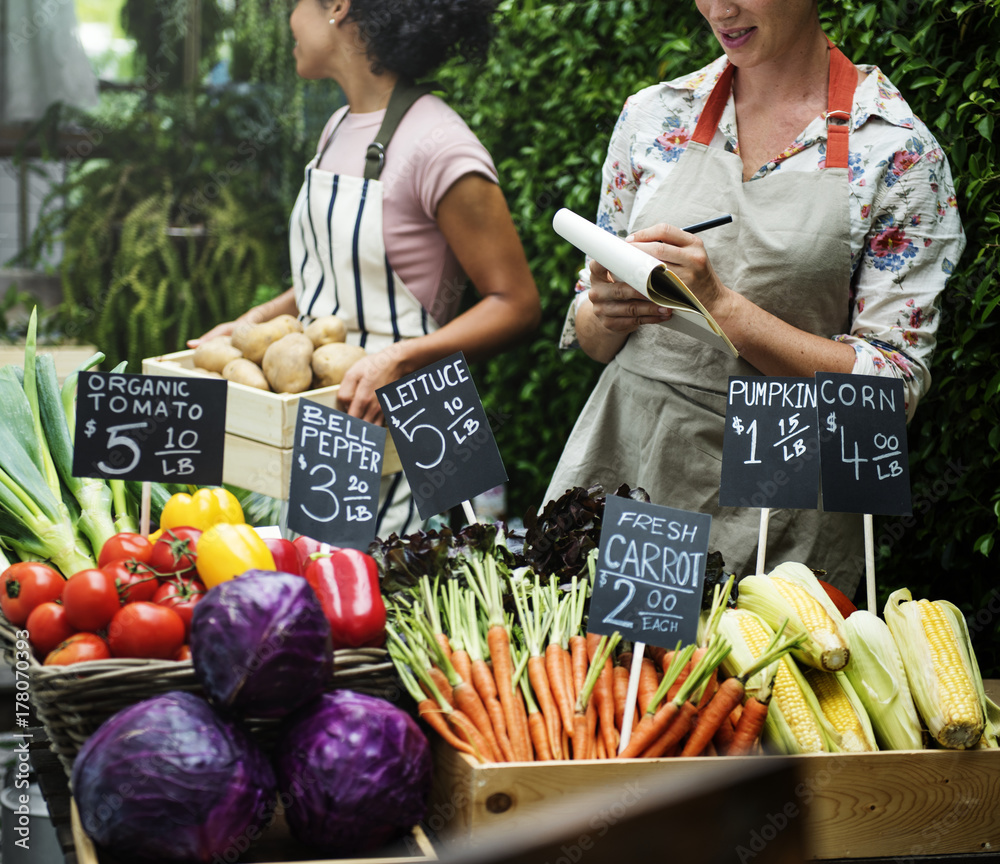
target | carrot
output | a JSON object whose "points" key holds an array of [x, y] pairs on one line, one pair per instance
{"points": [[429, 710], [604, 697], [485, 686], [723, 737], [682, 678], [602, 752], [751, 724], [444, 644], [585, 714], [675, 731], [555, 669], [648, 682], [734, 717], [498, 640], [543, 693], [581, 744], [463, 664], [620, 685], [650, 728], [466, 728], [657, 655], [442, 683], [729, 694], [581, 662], [536, 724], [468, 702]]}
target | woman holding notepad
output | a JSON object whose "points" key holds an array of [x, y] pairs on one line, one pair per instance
{"points": [[845, 230]]}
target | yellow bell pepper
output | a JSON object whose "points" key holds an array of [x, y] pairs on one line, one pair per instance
{"points": [[226, 551], [208, 506]]}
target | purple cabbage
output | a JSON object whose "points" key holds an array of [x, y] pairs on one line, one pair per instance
{"points": [[168, 779], [260, 644], [354, 772]]}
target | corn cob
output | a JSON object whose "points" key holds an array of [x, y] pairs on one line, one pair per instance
{"points": [[792, 591], [879, 679], [841, 706], [939, 667], [794, 722]]}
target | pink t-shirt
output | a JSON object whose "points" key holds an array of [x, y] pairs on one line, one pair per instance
{"points": [[431, 149]]}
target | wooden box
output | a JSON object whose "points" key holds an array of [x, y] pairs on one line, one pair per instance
{"points": [[849, 805], [260, 429], [277, 845]]}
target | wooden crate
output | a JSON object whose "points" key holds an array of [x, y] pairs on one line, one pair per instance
{"points": [[260, 429], [851, 805], [277, 846]]}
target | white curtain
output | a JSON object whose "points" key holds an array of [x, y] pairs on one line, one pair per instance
{"points": [[43, 60]]}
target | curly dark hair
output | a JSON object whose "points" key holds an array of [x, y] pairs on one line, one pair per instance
{"points": [[414, 37]]}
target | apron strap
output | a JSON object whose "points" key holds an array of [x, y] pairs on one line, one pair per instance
{"points": [[843, 83], [402, 98], [840, 99]]}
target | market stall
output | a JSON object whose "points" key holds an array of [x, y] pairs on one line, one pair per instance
{"points": [[409, 697]]}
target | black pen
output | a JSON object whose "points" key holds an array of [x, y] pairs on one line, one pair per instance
{"points": [[708, 223]]}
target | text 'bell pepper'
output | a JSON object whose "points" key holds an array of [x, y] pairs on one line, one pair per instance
{"points": [[207, 507], [347, 585], [226, 551]]}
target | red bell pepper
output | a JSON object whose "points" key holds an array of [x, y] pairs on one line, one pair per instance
{"points": [[347, 585], [307, 547], [286, 555]]}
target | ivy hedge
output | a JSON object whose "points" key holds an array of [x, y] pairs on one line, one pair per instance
{"points": [[545, 105]]}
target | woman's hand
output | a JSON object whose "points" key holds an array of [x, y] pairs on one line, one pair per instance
{"points": [[685, 254], [224, 329], [357, 391], [617, 306]]}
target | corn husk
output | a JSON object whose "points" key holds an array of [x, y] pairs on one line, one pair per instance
{"points": [[826, 646], [878, 677], [955, 728], [778, 730]]}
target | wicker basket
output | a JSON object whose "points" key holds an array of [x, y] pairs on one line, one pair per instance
{"points": [[71, 702]]}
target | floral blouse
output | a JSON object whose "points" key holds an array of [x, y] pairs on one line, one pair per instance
{"points": [[906, 233]]}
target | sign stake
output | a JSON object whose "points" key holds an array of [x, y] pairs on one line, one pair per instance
{"points": [[144, 506], [633, 691], [870, 561], [469, 512], [765, 517]]}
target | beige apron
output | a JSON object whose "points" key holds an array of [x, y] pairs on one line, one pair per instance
{"points": [[657, 415]]}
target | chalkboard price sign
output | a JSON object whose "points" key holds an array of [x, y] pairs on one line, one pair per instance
{"points": [[442, 435], [770, 447], [650, 572], [150, 427], [336, 472], [862, 424]]}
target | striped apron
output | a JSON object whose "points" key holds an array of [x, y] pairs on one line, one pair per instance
{"points": [[340, 267]]}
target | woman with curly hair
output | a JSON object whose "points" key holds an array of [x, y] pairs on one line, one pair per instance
{"points": [[399, 206]]}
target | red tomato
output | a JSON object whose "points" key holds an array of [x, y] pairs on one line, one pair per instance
{"points": [[306, 546], [181, 595], [134, 580], [28, 584], [176, 551], [77, 649], [91, 600], [146, 630], [286, 556], [47, 627], [184, 653], [120, 547]]}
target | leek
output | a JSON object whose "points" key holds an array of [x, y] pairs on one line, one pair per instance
{"points": [[24, 492], [92, 494]]}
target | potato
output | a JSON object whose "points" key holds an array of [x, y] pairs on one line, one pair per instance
{"points": [[210, 373], [243, 371], [330, 362], [253, 339], [214, 354], [327, 329], [288, 363]]}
